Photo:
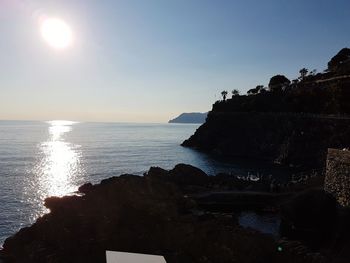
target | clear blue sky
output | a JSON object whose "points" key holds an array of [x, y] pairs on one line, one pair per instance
{"points": [[149, 60]]}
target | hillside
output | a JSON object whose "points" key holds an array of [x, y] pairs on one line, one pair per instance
{"points": [[289, 122]]}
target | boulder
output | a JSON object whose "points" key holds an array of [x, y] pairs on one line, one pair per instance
{"points": [[184, 174], [85, 188]]}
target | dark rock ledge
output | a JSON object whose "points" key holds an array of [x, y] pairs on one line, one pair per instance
{"points": [[134, 214], [150, 214]]}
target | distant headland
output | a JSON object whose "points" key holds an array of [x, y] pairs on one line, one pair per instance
{"points": [[191, 117]]}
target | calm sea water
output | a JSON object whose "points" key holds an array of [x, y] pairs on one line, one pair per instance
{"points": [[41, 159]]}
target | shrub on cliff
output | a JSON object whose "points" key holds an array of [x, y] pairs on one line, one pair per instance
{"points": [[339, 60], [256, 90], [278, 83], [235, 92]]}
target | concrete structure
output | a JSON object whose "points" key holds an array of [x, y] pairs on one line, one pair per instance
{"points": [[122, 257], [337, 181]]}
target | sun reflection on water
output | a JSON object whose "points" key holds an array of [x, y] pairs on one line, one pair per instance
{"points": [[59, 165]]}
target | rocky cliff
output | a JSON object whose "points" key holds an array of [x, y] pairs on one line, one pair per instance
{"points": [[294, 139], [288, 122]]}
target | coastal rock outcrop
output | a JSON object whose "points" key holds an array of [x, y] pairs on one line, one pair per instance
{"points": [[284, 138], [160, 214], [289, 122], [134, 214], [183, 175]]}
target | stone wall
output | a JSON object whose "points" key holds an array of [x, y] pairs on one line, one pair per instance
{"points": [[337, 181]]}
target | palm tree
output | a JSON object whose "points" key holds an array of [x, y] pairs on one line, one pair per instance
{"points": [[303, 72], [224, 94]]}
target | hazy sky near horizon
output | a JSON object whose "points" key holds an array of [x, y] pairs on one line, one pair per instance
{"points": [[150, 60]]}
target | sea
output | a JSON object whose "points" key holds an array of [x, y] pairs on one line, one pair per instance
{"points": [[39, 159]]}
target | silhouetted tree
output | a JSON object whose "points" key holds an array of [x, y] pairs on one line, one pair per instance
{"points": [[303, 73], [263, 90], [235, 92], [259, 87], [278, 83], [251, 91], [313, 72], [256, 90], [339, 59], [224, 94]]}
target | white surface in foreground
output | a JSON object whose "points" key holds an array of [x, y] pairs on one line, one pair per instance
{"points": [[122, 257]]}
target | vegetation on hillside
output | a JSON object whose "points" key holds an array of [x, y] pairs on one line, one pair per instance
{"points": [[319, 93]]}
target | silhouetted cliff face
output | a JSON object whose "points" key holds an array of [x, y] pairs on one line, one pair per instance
{"points": [[293, 125], [285, 138]]}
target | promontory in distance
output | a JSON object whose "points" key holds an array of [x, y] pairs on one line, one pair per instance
{"points": [[191, 117]]}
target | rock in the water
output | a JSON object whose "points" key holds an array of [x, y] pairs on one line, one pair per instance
{"points": [[188, 175], [183, 175], [85, 188]]}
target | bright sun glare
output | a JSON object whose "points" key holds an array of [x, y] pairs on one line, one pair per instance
{"points": [[56, 33]]}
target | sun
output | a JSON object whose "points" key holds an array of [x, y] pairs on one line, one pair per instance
{"points": [[56, 33]]}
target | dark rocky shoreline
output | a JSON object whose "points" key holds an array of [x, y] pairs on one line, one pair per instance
{"points": [[291, 139], [167, 213], [136, 214]]}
